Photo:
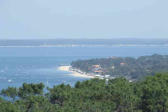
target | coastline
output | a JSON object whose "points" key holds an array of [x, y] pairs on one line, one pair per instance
{"points": [[74, 72]]}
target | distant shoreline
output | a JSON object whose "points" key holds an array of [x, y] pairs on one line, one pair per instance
{"points": [[85, 45], [74, 72]]}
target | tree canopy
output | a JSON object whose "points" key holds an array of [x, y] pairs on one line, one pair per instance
{"points": [[95, 95]]}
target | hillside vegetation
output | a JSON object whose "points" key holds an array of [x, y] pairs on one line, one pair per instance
{"points": [[130, 68]]}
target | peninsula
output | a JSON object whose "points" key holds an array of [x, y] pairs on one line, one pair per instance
{"points": [[128, 67]]}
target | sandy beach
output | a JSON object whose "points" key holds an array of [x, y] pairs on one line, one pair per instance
{"points": [[74, 73]]}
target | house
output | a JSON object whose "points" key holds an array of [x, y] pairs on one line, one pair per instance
{"points": [[98, 71], [122, 64], [96, 66]]}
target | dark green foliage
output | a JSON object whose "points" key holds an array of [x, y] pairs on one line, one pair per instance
{"points": [[59, 94], [8, 107], [10, 92], [116, 95], [154, 97], [35, 104], [128, 67], [30, 89]]}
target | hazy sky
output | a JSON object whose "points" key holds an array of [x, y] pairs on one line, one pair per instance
{"points": [[43, 19]]}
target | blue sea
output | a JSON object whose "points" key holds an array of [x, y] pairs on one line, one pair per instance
{"points": [[34, 63]]}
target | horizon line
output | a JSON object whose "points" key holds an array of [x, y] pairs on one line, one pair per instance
{"points": [[86, 39]]}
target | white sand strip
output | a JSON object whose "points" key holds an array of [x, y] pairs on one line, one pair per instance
{"points": [[75, 73]]}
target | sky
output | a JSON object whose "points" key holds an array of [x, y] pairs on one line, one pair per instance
{"points": [[80, 19]]}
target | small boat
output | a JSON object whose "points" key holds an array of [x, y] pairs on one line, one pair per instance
{"points": [[9, 80]]}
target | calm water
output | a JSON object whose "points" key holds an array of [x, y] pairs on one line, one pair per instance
{"points": [[39, 64]]}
